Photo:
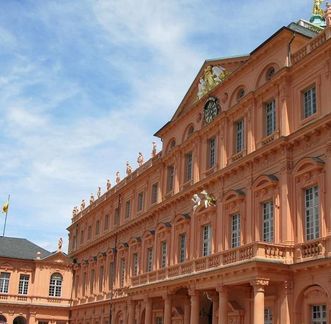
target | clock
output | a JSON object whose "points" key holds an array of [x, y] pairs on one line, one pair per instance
{"points": [[211, 109]]}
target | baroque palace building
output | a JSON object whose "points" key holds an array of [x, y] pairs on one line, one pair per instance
{"points": [[231, 221], [35, 284]]}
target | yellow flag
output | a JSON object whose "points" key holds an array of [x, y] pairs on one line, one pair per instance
{"points": [[5, 207]]}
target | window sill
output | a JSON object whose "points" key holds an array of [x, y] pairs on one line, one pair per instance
{"points": [[269, 138], [187, 184], [210, 170], [308, 119], [238, 155]]}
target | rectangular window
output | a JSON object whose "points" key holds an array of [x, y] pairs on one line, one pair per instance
{"points": [[270, 117], [106, 224], [268, 221], [149, 259], [111, 275], [101, 274], [128, 209], [89, 232], [211, 152], [122, 272], [239, 135], [163, 257], [312, 213], [159, 320], [319, 314], [117, 216], [23, 284], [188, 167], [182, 248], [97, 227], [206, 240], [92, 275], [84, 284], [42, 322], [155, 188], [135, 264], [267, 316], [4, 282], [309, 102], [76, 285], [170, 178], [81, 236], [235, 233], [140, 205]]}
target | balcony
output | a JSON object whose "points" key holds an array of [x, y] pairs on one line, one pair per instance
{"points": [[33, 300], [258, 251]]}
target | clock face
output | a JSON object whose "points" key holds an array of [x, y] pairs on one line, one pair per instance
{"points": [[211, 110]]}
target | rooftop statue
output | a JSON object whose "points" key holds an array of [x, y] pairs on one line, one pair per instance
{"points": [[153, 149], [59, 244], [128, 168], [82, 205], [91, 199], [140, 159], [99, 192], [108, 184], [75, 211], [118, 178], [317, 10]]}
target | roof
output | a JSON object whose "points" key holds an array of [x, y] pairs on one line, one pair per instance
{"points": [[19, 248]]}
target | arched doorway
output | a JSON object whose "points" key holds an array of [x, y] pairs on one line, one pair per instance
{"points": [[3, 320], [206, 310], [19, 320]]}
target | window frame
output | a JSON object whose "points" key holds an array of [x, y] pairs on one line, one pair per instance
{"points": [[270, 117], [4, 282], [23, 284], [268, 223], [55, 285], [239, 136], [314, 222], [206, 239], [309, 109], [211, 152], [170, 178], [235, 230]]}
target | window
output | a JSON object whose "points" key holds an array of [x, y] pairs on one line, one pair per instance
{"points": [[23, 284], [101, 274], [128, 209], [240, 94], [309, 102], [239, 136], [155, 188], [211, 151], [188, 167], [135, 264], [55, 285], [170, 178], [84, 284], [111, 274], [159, 320], [97, 227], [81, 236], [312, 213], [318, 314], [4, 282], [182, 248], [89, 232], [270, 117], [76, 278], [140, 205], [149, 264], [42, 322], [92, 276], [117, 216], [267, 316], [206, 240], [122, 272], [106, 224], [235, 233], [163, 257], [268, 221], [270, 73]]}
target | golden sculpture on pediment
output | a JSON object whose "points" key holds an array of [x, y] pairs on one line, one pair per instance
{"points": [[317, 10], [213, 75]]}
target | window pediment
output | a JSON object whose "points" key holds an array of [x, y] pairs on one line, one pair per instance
{"points": [[308, 164], [263, 181]]}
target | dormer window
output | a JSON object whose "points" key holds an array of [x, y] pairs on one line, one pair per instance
{"points": [[240, 94], [270, 73]]}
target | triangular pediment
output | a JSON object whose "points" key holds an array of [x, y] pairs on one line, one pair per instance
{"points": [[58, 257]]}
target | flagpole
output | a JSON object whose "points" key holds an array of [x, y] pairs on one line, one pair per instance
{"points": [[4, 227]]}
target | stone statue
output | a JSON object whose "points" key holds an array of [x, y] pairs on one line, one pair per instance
{"points": [[59, 244], [202, 89], [118, 178], [99, 192], [82, 205], [128, 168], [91, 199], [108, 184], [140, 159], [209, 200], [75, 211], [153, 149], [196, 202], [317, 10]]}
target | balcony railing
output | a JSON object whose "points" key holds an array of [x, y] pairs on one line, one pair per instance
{"points": [[35, 300]]}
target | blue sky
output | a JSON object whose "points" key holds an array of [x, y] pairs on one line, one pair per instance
{"points": [[85, 84]]}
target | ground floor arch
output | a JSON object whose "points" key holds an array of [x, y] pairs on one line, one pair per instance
{"points": [[3, 319], [19, 320]]}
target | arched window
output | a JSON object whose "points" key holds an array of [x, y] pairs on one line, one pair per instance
{"points": [[270, 73], [55, 285], [3, 320]]}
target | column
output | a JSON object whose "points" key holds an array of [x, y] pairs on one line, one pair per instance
{"points": [[148, 311], [195, 307], [285, 302], [187, 308], [223, 305], [167, 309], [131, 309], [259, 287]]}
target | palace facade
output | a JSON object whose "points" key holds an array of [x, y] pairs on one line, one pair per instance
{"points": [[231, 221], [35, 284]]}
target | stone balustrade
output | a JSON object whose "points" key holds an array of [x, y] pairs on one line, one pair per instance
{"points": [[33, 300]]}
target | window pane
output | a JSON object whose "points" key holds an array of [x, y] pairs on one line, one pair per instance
{"points": [[309, 102], [55, 285], [211, 152], [206, 240], [270, 117], [188, 167], [182, 247], [23, 284], [4, 282], [268, 221], [239, 138], [312, 213], [235, 236]]}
